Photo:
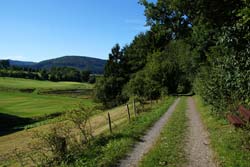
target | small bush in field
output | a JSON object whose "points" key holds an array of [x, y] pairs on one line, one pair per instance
{"points": [[50, 147], [61, 141], [80, 118]]}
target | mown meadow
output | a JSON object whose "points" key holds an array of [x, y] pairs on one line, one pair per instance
{"points": [[30, 105], [25, 101], [29, 84]]}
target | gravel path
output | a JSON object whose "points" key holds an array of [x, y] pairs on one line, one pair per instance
{"points": [[198, 151], [148, 140]]}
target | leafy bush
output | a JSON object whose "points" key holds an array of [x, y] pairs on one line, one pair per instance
{"points": [[225, 83], [61, 141], [80, 117]]}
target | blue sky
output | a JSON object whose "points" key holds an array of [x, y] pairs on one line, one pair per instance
{"points": [[35, 30]]}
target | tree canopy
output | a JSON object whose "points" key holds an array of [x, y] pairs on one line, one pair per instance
{"points": [[192, 46]]}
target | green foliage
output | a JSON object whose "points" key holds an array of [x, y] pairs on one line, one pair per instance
{"points": [[136, 53], [4, 64], [80, 117], [202, 38], [92, 79], [166, 22], [109, 88], [214, 44], [19, 74], [167, 71], [115, 64], [243, 27], [64, 74], [85, 76], [169, 149], [121, 66], [225, 83], [206, 41], [142, 86], [164, 69], [172, 68], [54, 74]]}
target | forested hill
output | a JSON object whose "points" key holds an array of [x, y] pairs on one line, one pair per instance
{"points": [[80, 62], [21, 63], [83, 63]]}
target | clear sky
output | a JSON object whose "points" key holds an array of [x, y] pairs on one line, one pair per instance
{"points": [[35, 30]]}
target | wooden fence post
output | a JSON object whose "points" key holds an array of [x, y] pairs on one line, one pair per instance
{"points": [[134, 107], [110, 127], [128, 112]]}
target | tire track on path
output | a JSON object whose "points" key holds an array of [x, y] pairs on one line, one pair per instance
{"points": [[198, 152]]}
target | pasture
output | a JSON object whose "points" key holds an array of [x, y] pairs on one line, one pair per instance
{"points": [[28, 105], [33, 105], [24, 102], [18, 83]]}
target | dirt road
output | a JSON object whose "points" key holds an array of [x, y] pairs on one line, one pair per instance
{"points": [[148, 140], [198, 151]]}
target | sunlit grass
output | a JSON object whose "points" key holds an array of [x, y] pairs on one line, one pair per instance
{"points": [[33, 105], [18, 83]]}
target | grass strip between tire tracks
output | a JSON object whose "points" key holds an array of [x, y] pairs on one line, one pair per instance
{"points": [[169, 149]]}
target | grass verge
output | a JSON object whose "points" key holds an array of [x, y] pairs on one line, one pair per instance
{"points": [[227, 142], [106, 150], [169, 149]]}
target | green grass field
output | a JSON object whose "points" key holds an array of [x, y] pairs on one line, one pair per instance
{"points": [[32, 105], [18, 83]]}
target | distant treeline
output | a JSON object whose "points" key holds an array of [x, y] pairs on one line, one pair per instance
{"points": [[54, 74]]}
